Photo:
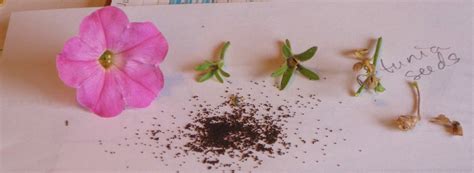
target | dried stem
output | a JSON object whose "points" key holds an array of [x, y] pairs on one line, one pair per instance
{"points": [[407, 122], [374, 63], [418, 99]]}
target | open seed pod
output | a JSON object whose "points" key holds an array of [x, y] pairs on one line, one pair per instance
{"points": [[454, 126], [371, 82], [406, 122]]}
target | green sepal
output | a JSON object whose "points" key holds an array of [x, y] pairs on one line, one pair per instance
{"points": [[307, 73], [280, 71], [224, 49], [219, 78], [286, 77], [307, 55], [379, 88], [287, 42], [206, 76], [286, 51], [204, 66], [225, 74]]}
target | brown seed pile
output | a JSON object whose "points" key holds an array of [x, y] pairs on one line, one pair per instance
{"points": [[246, 127], [238, 129]]}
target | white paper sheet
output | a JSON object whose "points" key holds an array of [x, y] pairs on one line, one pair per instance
{"points": [[34, 103]]}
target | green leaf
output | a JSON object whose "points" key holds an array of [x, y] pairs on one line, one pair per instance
{"points": [[280, 71], [225, 74], [224, 49], [379, 88], [286, 77], [307, 73], [286, 51], [288, 43], [219, 78], [203, 66], [206, 76], [308, 54]]}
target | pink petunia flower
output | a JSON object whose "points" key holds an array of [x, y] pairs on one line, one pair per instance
{"points": [[113, 63]]}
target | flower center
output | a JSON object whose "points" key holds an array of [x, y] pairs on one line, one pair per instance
{"points": [[292, 62], [106, 59]]}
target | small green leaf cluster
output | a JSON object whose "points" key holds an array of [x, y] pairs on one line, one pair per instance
{"points": [[293, 63], [214, 68]]}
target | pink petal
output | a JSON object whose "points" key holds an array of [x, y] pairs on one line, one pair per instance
{"points": [[77, 50], [101, 95], [92, 33], [140, 83], [135, 94], [114, 23], [73, 73], [144, 43], [134, 34], [104, 27], [77, 62]]}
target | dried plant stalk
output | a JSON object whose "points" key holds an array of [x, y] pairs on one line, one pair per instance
{"points": [[407, 122], [371, 81]]}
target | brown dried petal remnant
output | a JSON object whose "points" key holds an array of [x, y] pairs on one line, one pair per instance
{"points": [[365, 62], [357, 66], [361, 53], [454, 126], [235, 100]]}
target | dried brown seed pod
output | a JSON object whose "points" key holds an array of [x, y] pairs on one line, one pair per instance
{"points": [[454, 126], [457, 129], [406, 122], [372, 82]]}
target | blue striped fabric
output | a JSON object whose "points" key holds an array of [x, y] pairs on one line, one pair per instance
{"points": [[191, 1], [173, 2]]}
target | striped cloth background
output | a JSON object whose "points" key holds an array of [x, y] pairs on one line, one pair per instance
{"points": [[171, 2]]}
